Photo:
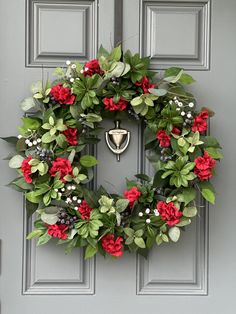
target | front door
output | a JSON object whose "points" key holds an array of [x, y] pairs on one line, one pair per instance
{"points": [[197, 274]]}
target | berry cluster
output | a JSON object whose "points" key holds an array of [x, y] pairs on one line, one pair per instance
{"points": [[44, 154], [66, 219]]}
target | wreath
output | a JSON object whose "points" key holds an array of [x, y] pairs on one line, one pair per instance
{"points": [[54, 167]]}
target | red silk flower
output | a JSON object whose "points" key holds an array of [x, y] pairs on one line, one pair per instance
{"points": [[132, 195], [169, 213], [62, 95], [111, 106], [26, 169], [85, 210], [71, 136], [91, 67], [145, 84], [163, 138], [200, 123], [204, 166], [61, 165], [112, 246], [58, 231]]}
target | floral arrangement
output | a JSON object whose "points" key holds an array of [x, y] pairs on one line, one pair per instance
{"points": [[54, 167]]}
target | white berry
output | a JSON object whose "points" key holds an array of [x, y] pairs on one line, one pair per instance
{"points": [[82, 71], [189, 115], [73, 66], [30, 144], [178, 109], [72, 80], [68, 187], [182, 113], [27, 141], [56, 190], [148, 221], [63, 190], [180, 104], [59, 194], [191, 104], [140, 214], [156, 212], [175, 98], [73, 187], [147, 211], [19, 136], [76, 208], [74, 198], [39, 140], [68, 62], [79, 201], [171, 102], [35, 142], [86, 69]]}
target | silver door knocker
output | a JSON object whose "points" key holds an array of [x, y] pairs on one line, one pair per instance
{"points": [[115, 138]]}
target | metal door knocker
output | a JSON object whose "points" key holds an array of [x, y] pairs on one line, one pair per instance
{"points": [[117, 139]]}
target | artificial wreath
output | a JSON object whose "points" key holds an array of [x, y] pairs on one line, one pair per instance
{"points": [[54, 167]]}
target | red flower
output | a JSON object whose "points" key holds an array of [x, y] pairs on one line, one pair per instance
{"points": [[91, 67], [132, 195], [71, 136], [110, 105], [145, 84], [58, 231], [85, 210], [204, 166], [163, 138], [169, 212], [199, 122], [62, 95], [26, 169], [61, 165], [112, 246], [176, 131]]}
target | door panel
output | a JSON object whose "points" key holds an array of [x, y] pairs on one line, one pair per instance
{"points": [[197, 35]]}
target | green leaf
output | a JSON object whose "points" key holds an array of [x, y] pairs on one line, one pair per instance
{"points": [[174, 79], [115, 54], [184, 222], [186, 79], [47, 138], [207, 191], [143, 177], [157, 92], [214, 153], [139, 242], [174, 234], [189, 194], [32, 197], [16, 161], [129, 232], [90, 251], [27, 104], [34, 234], [44, 239], [10, 139], [121, 204], [36, 87], [30, 207], [190, 211], [88, 161]]}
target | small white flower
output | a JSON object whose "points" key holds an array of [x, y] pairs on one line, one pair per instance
{"points": [[30, 144], [68, 187], [79, 201], [140, 214], [189, 115], [35, 142], [147, 211], [73, 66], [73, 187], [86, 69], [68, 62], [191, 104], [74, 198], [72, 80], [59, 194], [82, 71], [69, 200], [39, 140], [180, 104], [156, 212], [178, 109], [171, 102], [182, 113], [27, 141], [19, 136], [56, 190], [148, 221]]}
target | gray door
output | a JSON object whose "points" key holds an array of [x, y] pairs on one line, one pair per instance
{"points": [[197, 274]]}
